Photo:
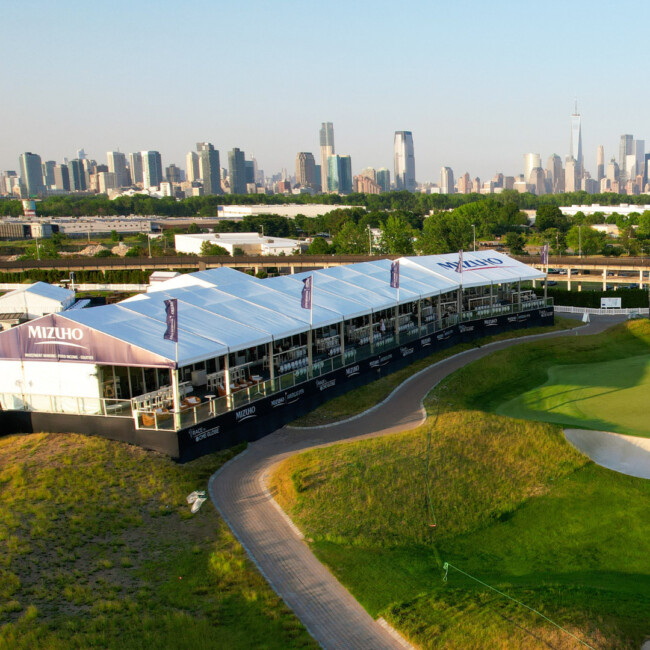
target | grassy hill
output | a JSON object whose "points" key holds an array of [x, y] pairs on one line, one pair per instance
{"points": [[98, 549], [515, 506]]}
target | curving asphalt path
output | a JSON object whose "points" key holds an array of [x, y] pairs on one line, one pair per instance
{"points": [[238, 490]]}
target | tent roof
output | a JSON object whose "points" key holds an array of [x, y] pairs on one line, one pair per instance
{"points": [[44, 290], [223, 310]]}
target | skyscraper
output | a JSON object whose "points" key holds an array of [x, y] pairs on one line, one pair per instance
{"points": [[446, 180], [383, 179], [31, 173], [613, 171], [333, 173], [464, 184], [152, 174], [173, 174], [625, 148], [77, 175], [345, 174], [554, 174], [404, 161], [192, 167], [48, 173], [538, 180], [639, 155], [209, 168], [600, 163], [531, 160], [306, 169], [117, 166], [326, 150], [135, 164], [61, 178], [571, 178], [237, 171], [575, 149], [339, 174]]}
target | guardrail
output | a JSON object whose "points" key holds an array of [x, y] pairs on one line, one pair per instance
{"points": [[96, 286], [610, 311]]}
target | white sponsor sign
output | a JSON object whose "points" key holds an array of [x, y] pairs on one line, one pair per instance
{"points": [[610, 303]]}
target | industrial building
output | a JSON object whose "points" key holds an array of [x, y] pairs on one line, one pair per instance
{"points": [[250, 243]]}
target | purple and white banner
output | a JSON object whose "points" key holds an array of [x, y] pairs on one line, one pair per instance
{"points": [[544, 253], [171, 310], [305, 300], [56, 338], [394, 274]]}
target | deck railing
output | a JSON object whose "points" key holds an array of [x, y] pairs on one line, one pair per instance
{"points": [[149, 415]]}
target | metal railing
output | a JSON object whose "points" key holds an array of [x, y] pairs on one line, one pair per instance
{"points": [[120, 408], [160, 418], [609, 311], [286, 381]]}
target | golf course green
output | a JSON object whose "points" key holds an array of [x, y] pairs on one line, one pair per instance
{"points": [[516, 507], [608, 396]]}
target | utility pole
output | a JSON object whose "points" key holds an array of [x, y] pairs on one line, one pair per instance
{"points": [[474, 236], [579, 241]]}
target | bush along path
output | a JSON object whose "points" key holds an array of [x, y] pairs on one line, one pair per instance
{"points": [[333, 617]]}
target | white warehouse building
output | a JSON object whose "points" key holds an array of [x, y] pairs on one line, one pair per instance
{"points": [[251, 243]]}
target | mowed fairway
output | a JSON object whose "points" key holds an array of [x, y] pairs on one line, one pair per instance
{"points": [[611, 396], [515, 507]]}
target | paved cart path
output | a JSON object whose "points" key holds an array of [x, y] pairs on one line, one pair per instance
{"points": [[330, 613]]}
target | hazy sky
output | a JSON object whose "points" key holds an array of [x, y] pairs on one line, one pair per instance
{"points": [[478, 83]]}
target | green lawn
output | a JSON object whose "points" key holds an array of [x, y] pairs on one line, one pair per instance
{"points": [[361, 399], [98, 549], [516, 507], [606, 396]]}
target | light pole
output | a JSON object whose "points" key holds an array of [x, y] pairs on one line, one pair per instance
{"points": [[579, 241], [369, 241], [474, 236], [149, 243]]}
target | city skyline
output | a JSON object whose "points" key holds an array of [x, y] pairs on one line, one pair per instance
{"points": [[203, 166], [498, 98]]}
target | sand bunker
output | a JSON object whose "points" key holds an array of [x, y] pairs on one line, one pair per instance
{"points": [[626, 454]]}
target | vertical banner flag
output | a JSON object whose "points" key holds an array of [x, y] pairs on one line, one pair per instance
{"points": [[544, 253], [394, 275], [171, 310], [459, 266], [305, 301]]}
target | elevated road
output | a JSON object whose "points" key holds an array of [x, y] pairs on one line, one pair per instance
{"points": [[285, 264], [573, 270]]}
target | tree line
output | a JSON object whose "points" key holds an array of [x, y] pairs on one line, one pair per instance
{"points": [[206, 206]]}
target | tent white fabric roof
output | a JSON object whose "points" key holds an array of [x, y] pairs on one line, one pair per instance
{"points": [[479, 268], [223, 310], [44, 290]]}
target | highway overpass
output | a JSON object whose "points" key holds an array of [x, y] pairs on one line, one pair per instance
{"points": [[573, 271]]}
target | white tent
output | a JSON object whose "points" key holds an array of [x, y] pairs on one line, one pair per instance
{"points": [[36, 300]]}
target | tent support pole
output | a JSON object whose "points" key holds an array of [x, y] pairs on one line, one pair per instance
{"points": [[309, 354], [342, 338], [271, 365], [226, 378], [372, 333], [177, 399]]}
